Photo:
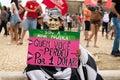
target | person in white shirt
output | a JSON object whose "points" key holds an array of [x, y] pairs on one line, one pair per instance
{"points": [[45, 18], [105, 24], [14, 21], [69, 22]]}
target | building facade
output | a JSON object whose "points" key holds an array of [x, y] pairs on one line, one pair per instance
{"points": [[76, 6]]}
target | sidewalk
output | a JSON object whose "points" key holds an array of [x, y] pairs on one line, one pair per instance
{"points": [[12, 76], [107, 75], [110, 74]]}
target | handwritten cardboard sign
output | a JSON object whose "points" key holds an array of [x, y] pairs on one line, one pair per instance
{"points": [[53, 48]]}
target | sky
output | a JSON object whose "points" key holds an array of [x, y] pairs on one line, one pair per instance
{"points": [[7, 3]]}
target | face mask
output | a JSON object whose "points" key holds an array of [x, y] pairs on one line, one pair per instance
{"points": [[53, 23]]}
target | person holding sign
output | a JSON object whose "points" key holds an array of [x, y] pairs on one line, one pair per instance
{"points": [[86, 69], [116, 21]]}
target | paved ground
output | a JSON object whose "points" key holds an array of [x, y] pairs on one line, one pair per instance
{"points": [[13, 57], [107, 75]]}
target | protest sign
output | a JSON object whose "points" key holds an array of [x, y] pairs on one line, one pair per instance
{"points": [[62, 5], [53, 48]]}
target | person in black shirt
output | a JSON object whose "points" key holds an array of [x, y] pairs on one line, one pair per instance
{"points": [[115, 8]]}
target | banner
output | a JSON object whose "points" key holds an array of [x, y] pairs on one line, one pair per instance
{"points": [[61, 4], [53, 48], [108, 3], [91, 2]]}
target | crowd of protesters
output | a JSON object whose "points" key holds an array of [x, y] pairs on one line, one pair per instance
{"points": [[15, 22]]}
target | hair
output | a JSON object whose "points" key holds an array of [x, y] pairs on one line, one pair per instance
{"points": [[5, 8], [79, 14], [16, 3], [60, 19], [99, 1]]}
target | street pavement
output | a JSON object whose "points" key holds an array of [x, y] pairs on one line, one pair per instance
{"points": [[106, 74]]}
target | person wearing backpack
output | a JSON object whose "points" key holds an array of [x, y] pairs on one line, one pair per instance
{"points": [[95, 24]]}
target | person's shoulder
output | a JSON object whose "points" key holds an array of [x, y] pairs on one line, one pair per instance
{"points": [[85, 9], [13, 3], [31, 2], [28, 1]]}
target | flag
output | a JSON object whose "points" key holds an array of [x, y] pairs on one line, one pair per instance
{"points": [[0, 5], [108, 3], [61, 4], [91, 2]]}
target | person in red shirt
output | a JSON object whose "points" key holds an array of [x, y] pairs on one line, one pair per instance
{"points": [[33, 8], [79, 22]]}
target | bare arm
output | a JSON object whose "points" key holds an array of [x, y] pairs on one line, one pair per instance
{"points": [[40, 9], [29, 10], [20, 9]]}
